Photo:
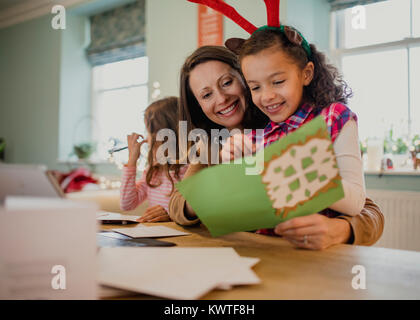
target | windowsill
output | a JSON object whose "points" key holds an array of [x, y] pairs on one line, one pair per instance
{"points": [[85, 162], [394, 172]]}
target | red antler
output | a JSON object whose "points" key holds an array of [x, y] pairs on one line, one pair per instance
{"points": [[273, 8], [229, 12]]}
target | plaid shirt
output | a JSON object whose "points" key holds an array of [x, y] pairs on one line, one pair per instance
{"points": [[335, 115]]}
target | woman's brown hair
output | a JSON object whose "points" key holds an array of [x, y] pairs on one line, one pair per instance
{"points": [[190, 110], [161, 114], [327, 85]]}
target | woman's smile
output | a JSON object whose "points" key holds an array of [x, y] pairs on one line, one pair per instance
{"points": [[229, 110]]}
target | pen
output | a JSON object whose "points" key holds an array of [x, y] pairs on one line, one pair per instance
{"points": [[111, 151]]}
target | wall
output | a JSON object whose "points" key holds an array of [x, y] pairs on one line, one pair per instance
{"points": [[29, 91], [312, 18], [45, 91], [75, 86], [170, 36]]}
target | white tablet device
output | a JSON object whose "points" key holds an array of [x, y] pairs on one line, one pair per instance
{"points": [[27, 180]]}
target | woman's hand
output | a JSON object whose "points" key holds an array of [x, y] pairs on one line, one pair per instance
{"points": [[134, 148], [154, 214], [189, 211], [314, 231], [237, 146]]}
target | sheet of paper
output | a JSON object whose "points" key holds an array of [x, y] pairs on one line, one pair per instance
{"points": [[105, 292], [227, 200], [22, 202], [114, 216], [142, 231], [242, 276], [173, 273], [48, 253]]}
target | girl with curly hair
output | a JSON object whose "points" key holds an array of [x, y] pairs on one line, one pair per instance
{"points": [[292, 83]]}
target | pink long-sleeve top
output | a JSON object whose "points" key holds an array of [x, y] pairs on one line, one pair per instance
{"points": [[133, 193]]}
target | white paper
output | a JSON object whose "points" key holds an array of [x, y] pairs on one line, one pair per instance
{"points": [[34, 243], [242, 276], [142, 231], [173, 273], [30, 203], [114, 216]]}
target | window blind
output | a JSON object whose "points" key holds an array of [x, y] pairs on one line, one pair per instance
{"points": [[117, 34]]}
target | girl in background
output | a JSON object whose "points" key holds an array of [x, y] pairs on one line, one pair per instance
{"points": [[157, 181]]}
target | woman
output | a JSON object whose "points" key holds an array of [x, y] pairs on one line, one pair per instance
{"points": [[214, 96]]}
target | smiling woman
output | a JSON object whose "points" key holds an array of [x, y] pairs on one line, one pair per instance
{"points": [[221, 94], [206, 101]]}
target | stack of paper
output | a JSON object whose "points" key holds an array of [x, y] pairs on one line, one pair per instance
{"points": [[142, 231], [47, 249], [114, 217], [174, 273]]}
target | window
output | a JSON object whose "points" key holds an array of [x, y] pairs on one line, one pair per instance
{"points": [[120, 96], [378, 48], [382, 22]]}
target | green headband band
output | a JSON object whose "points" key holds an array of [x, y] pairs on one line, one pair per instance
{"points": [[304, 43]]}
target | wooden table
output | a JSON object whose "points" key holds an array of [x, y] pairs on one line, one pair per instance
{"points": [[290, 273]]}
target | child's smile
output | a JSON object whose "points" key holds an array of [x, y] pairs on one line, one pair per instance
{"points": [[276, 82], [272, 109]]}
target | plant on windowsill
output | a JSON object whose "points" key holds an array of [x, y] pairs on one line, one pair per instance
{"points": [[415, 151], [83, 151], [395, 146], [396, 150]]}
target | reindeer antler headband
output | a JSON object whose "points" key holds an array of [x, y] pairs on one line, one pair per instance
{"points": [[273, 22]]}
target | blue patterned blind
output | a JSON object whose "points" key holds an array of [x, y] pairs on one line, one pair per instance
{"points": [[344, 4], [118, 34]]}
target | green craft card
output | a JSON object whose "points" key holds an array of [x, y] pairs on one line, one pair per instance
{"points": [[227, 200]]}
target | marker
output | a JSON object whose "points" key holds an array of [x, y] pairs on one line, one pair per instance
{"points": [[111, 151]]}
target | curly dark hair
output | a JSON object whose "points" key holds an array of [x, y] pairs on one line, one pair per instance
{"points": [[327, 85]]}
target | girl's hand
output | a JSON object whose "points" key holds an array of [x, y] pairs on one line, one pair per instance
{"points": [[315, 231], [237, 146], [154, 214], [134, 148]]}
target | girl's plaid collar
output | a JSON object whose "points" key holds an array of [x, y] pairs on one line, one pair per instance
{"points": [[294, 121]]}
